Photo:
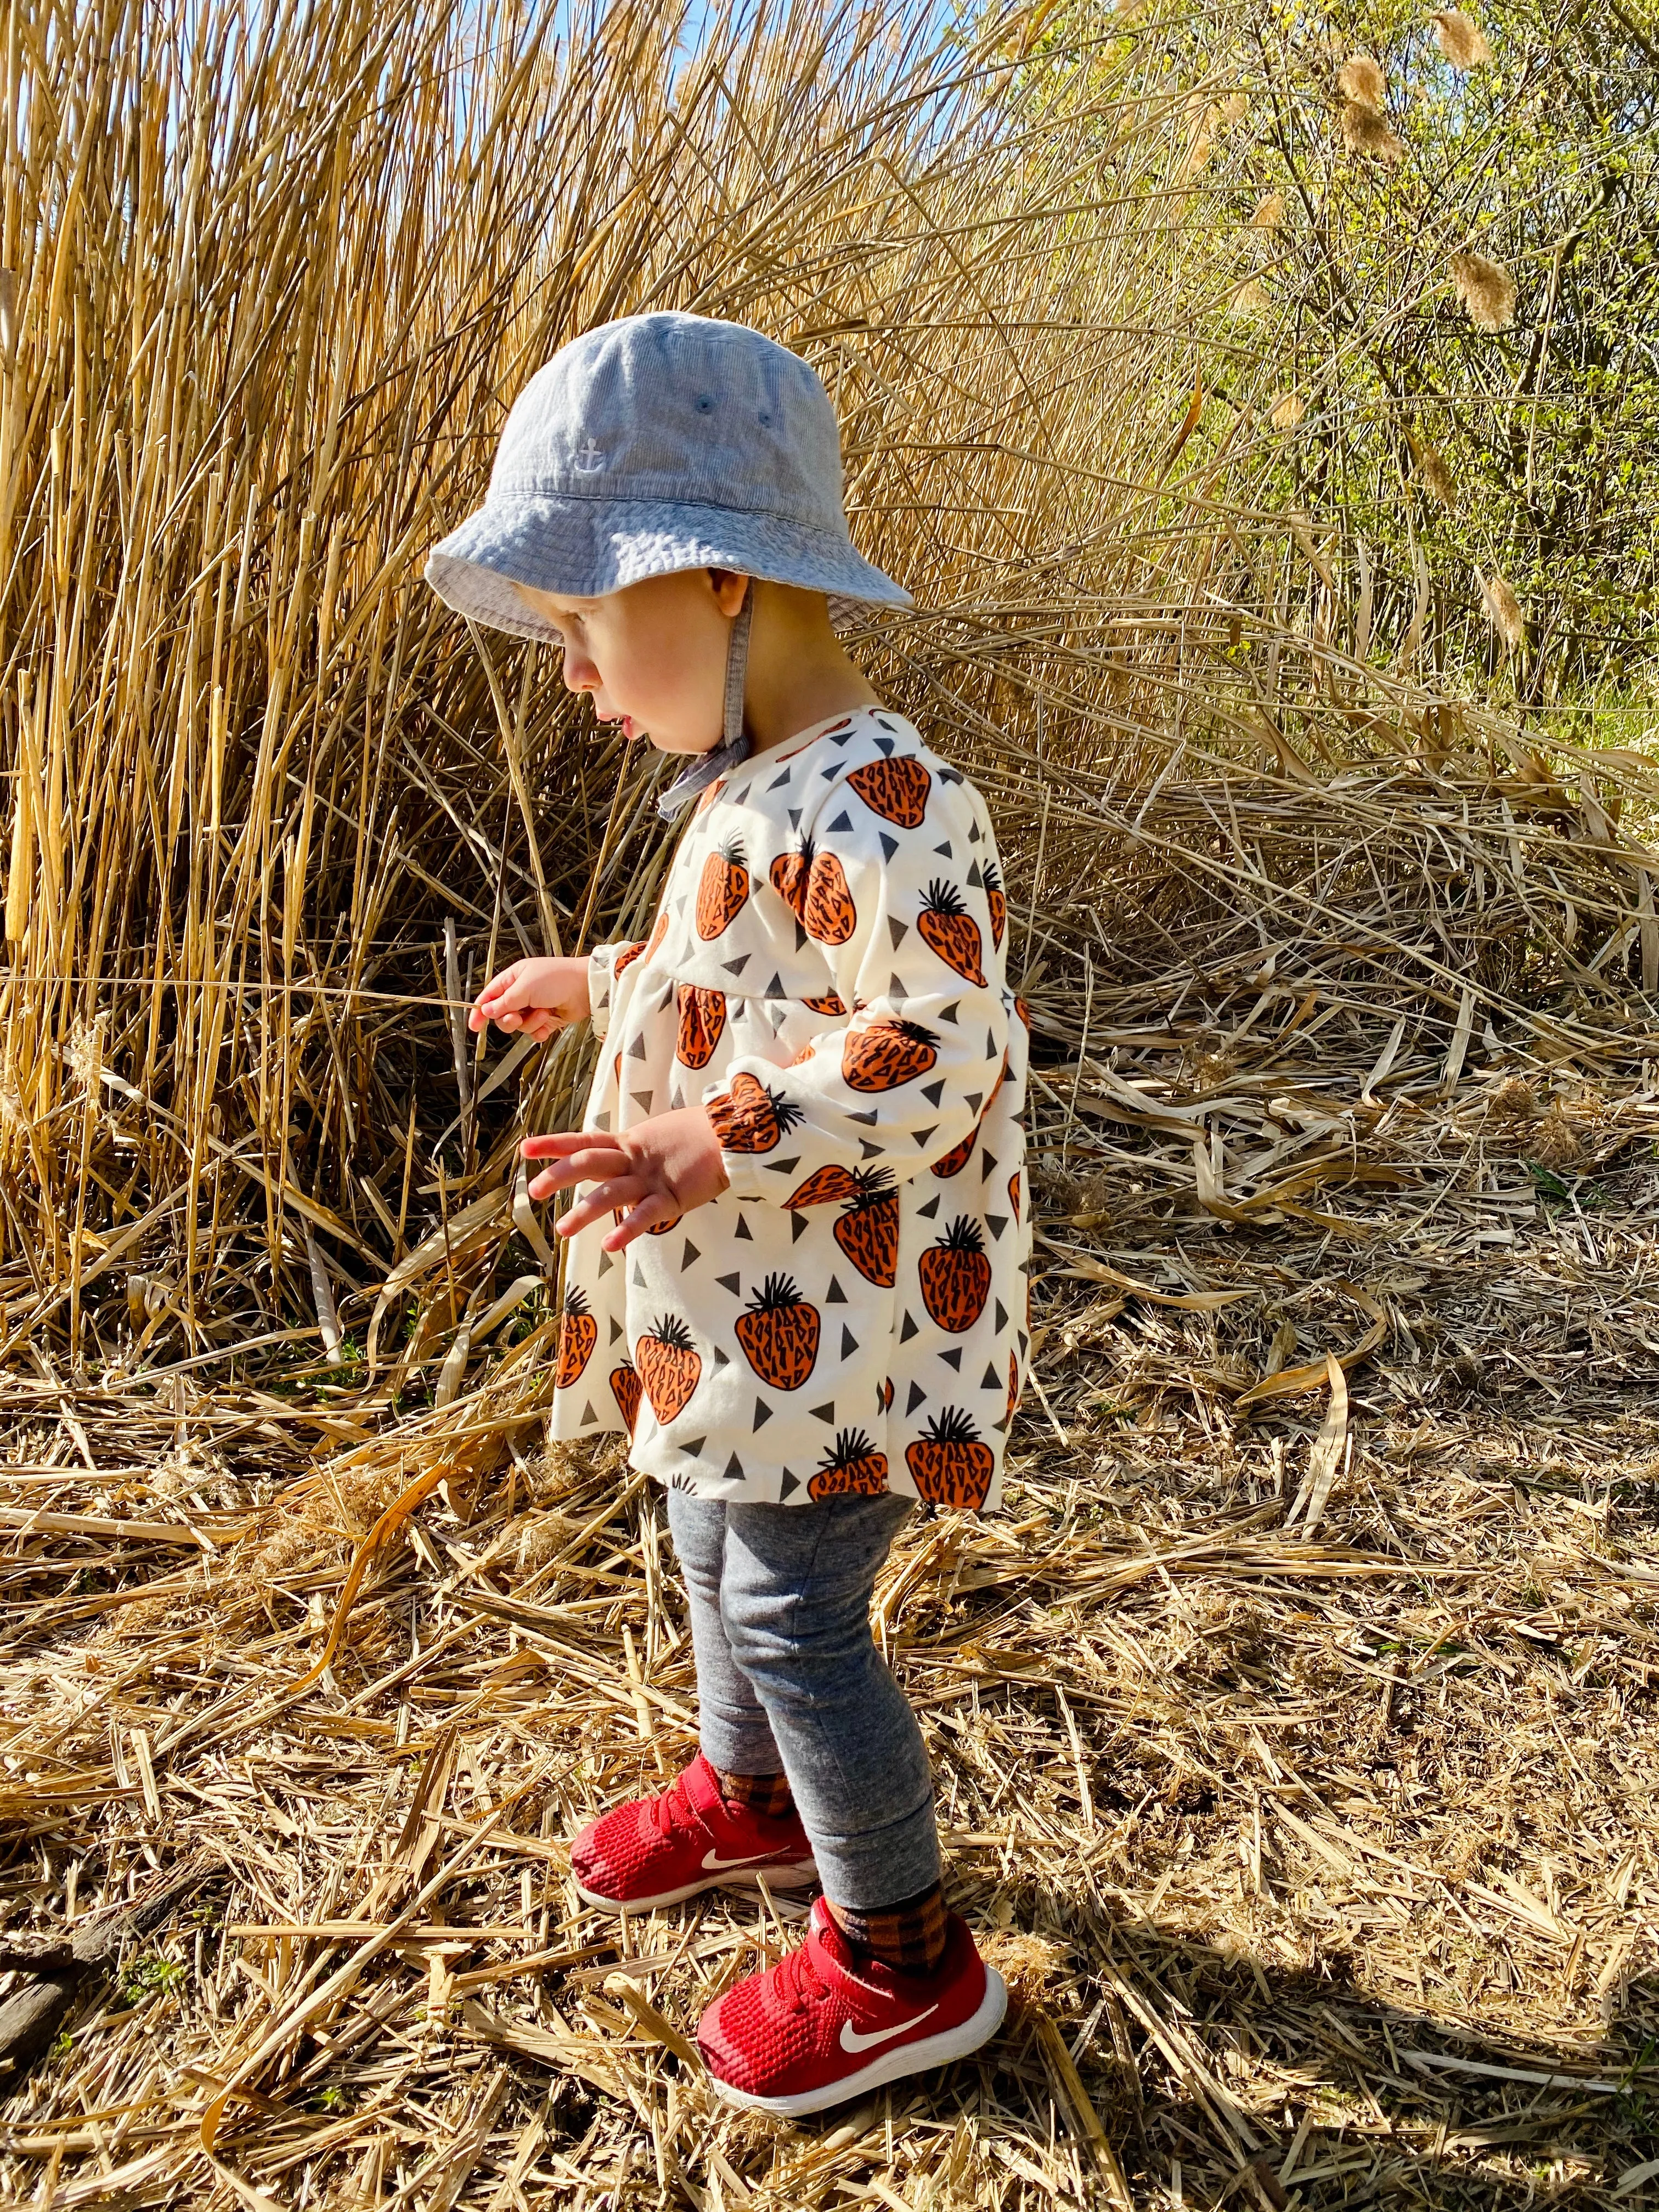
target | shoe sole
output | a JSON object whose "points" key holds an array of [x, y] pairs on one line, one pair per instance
{"points": [[893, 2065], [799, 1874]]}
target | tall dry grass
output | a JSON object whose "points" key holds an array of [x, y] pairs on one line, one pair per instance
{"points": [[276, 274]]}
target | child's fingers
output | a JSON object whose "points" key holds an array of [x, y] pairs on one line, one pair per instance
{"points": [[560, 1144], [586, 1167], [651, 1209], [619, 1196]]}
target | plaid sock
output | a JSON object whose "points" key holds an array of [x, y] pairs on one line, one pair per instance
{"points": [[909, 1937], [765, 1794]]}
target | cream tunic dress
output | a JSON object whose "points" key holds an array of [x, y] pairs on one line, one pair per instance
{"points": [[825, 978]]}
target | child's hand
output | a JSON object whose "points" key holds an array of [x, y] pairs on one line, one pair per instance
{"points": [[650, 1173], [534, 996]]}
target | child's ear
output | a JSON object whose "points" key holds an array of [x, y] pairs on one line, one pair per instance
{"points": [[728, 586]]}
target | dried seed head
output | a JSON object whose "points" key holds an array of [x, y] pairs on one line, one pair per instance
{"points": [[1502, 610], [1366, 132], [1463, 44], [1487, 289], [1513, 1100], [1249, 300], [1361, 77], [1203, 147], [1227, 111], [1269, 213], [1437, 478], [1289, 411]]}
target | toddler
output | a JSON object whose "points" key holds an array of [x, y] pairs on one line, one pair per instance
{"points": [[796, 1272]]}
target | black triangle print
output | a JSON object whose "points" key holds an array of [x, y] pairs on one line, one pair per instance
{"points": [[736, 967], [762, 1412], [841, 822], [972, 833], [872, 1149], [988, 1161], [992, 1380], [690, 1257], [990, 1046], [869, 1120], [824, 1413], [799, 1225], [970, 1099], [721, 1359], [974, 880], [637, 1050], [949, 852], [606, 1264], [949, 1013], [996, 1223], [588, 1415], [928, 1211], [784, 1167], [774, 988], [908, 1330], [922, 1135], [676, 1097], [888, 845], [849, 1343], [898, 930], [693, 1446], [734, 1282], [789, 1486], [835, 1296], [778, 781], [680, 904], [895, 989], [743, 1229], [932, 1092], [602, 1120], [918, 1397], [1002, 1317], [734, 1469], [642, 1099], [794, 818], [953, 1357], [800, 937], [615, 1328], [885, 744], [639, 1276], [1023, 1341]]}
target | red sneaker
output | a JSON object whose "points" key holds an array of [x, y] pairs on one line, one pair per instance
{"points": [[823, 2024], [658, 1850]]}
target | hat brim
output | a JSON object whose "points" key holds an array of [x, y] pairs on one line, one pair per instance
{"points": [[579, 549]]}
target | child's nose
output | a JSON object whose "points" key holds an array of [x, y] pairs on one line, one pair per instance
{"points": [[579, 673]]}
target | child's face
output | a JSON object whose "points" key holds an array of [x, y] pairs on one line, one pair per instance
{"points": [[653, 656]]}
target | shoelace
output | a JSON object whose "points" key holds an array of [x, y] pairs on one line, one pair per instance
{"points": [[796, 1981], [673, 1808]]}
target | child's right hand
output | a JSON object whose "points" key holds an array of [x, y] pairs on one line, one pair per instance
{"points": [[535, 997]]}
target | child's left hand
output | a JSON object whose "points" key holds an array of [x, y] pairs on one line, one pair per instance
{"points": [[650, 1173]]}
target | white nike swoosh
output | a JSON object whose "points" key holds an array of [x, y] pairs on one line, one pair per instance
{"points": [[713, 1865], [852, 2040]]}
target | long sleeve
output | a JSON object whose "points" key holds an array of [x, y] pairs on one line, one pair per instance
{"points": [[893, 880]]}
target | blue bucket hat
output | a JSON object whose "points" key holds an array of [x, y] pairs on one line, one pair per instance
{"points": [[658, 443]]}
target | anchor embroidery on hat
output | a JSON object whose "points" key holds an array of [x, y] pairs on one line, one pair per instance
{"points": [[587, 460]]}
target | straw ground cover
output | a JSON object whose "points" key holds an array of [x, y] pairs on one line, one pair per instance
{"points": [[1293, 1730]]}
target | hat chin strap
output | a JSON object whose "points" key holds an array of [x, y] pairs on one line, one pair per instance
{"points": [[736, 745]]}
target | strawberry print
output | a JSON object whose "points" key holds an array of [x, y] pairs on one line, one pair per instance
{"points": [[956, 1276], [702, 1019], [947, 926], [896, 788], [996, 899], [788, 876], [823, 978], [852, 1468], [887, 1052], [750, 1117], [723, 890], [828, 913], [831, 1186], [627, 1390], [668, 1367], [958, 1158], [950, 1464], [868, 1232], [778, 1332], [577, 1334]]}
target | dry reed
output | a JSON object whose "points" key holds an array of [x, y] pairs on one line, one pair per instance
{"points": [[1486, 288]]}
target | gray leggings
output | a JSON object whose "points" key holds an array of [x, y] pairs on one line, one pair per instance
{"points": [[789, 1681]]}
